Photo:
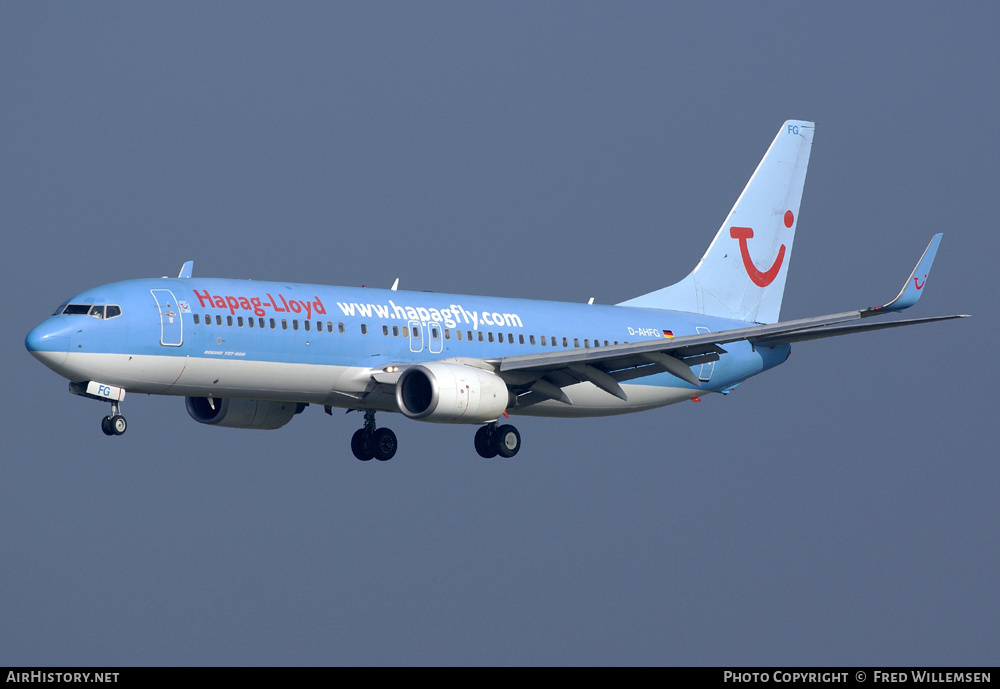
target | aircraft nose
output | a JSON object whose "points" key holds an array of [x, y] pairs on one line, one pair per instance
{"points": [[49, 341]]}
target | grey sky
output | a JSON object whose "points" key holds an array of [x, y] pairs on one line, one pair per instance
{"points": [[840, 509]]}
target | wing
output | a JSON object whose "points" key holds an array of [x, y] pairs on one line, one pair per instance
{"points": [[605, 367], [544, 375], [541, 376]]}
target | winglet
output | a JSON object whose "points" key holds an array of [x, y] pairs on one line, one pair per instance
{"points": [[912, 290], [186, 269]]}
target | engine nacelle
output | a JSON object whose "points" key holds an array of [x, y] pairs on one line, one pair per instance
{"points": [[451, 393], [238, 413]]}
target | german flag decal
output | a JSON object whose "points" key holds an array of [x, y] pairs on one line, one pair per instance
{"points": [[668, 333]]}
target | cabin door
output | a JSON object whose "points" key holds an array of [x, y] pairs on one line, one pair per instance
{"points": [[416, 336], [705, 370], [434, 341], [171, 326]]}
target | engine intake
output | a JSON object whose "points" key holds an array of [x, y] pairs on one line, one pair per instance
{"points": [[239, 413], [451, 393]]}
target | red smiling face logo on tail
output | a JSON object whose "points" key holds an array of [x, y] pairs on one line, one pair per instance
{"points": [[759, 278]]}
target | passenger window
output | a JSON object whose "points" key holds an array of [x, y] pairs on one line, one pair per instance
{"points": [[239, 321], [565, 342], [458, 335], [586, 343], [229, 321], [447, 334], [208, 319], [284, 324], [490, 335], [469, 338], [499, 337], [306, 324], [481, 336], [196, 319], [250, 321], [272, 324], [340, 327], [395, 331], [576, 342], [112, 311], [544, 341], [260, 322], [434, 333], [364, 329], [385, 330], [218, 320], [520, 339]]}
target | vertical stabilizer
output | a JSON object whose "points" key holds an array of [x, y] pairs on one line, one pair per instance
{"points": [[742, 275]]}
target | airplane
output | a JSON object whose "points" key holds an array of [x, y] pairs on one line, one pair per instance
{"points": [[251, 354]]}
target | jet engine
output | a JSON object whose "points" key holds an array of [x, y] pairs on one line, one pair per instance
{"points": [[451, 393], [239, 413]]}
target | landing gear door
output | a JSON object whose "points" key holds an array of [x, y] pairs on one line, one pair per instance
{"points": [[171, 326]]}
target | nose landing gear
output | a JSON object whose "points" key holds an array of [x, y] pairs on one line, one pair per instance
{"points": [[114, 423]]}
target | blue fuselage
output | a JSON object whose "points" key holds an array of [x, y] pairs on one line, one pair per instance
{"points": [[261, 340]]}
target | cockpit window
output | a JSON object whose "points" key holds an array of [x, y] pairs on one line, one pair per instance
{"points": [[99, 311]]}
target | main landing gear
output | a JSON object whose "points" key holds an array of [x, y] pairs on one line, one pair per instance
{"points": [[114, 423], [493, 440], [369, 442]]}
